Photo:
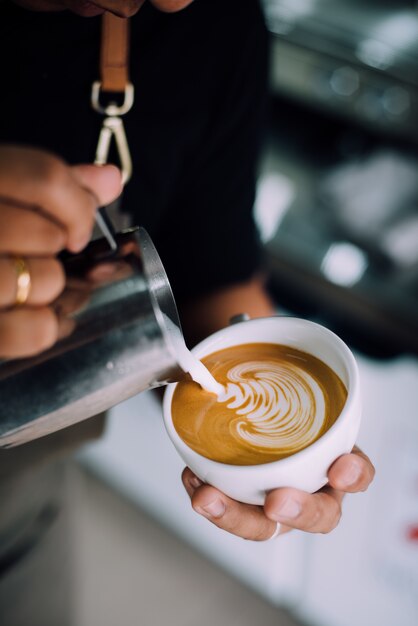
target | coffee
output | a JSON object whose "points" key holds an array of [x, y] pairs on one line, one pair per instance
{"points": [[277, 401]]}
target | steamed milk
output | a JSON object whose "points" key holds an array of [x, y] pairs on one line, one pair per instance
{"points": [[271, 401], [188, 362], [198, 372]]}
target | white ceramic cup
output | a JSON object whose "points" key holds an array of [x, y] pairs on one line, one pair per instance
{"points": [[306, 469]]}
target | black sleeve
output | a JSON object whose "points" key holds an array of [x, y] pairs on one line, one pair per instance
{"points": [[207, 238]]}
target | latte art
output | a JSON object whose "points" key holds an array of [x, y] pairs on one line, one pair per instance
{"points": [[282, 404], [277, 401]]}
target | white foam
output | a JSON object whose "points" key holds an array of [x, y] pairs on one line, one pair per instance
{"points": [[282, 404]]}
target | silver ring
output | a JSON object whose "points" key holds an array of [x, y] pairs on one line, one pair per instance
{"points": [[276, 532]]}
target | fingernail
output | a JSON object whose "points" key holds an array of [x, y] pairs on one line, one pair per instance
{"points": [[350, 476], [216, 508], [195, 482], [290, 509]]}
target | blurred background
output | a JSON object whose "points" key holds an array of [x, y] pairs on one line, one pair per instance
{"points": [[337, 209]]}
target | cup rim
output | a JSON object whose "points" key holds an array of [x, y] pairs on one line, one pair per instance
{"points": [[353, 392]]}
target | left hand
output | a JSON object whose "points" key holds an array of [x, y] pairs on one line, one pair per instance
{"points": [[319, 512]]}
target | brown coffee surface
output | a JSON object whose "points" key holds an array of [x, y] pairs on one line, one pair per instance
{"points": [[277, 401]]}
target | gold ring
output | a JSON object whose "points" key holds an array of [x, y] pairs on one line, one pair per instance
{"points": [[23, 283]]}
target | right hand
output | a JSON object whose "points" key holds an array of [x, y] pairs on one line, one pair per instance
{"points": [[318, 512], [45, 206]]}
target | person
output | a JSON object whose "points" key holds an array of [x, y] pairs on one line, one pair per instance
{"points": [[200, 73]]}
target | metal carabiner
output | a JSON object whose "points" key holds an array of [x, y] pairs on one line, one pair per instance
{"points": [[112, 108], [113, 127]]}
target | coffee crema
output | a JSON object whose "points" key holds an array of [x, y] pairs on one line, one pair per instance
{"points": [[277, 401]]}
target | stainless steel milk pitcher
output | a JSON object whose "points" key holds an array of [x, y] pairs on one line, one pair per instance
{"points": [[119, 315]]}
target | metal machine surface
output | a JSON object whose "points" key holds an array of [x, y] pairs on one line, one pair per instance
{"points": [[357, 59], [338, 182]]}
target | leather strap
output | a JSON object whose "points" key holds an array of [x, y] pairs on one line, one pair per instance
{"points": [[114, 53]]}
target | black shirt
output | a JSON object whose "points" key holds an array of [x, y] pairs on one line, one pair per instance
{"points": [[194, 129], [200, 78]]}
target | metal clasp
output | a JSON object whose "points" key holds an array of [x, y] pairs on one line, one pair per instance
{"points": [[112, 108], [113, 127]]}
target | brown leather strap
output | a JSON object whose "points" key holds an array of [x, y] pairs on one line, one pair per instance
{"points": [[114, 53]]}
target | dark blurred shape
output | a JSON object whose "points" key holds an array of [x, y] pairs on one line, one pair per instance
{"points": [[337, 199], [355, 58]]}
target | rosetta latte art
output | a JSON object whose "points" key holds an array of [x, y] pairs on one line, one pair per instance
{"points": [[277, 401], [282, 404]]}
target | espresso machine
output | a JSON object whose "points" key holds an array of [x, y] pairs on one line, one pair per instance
{"points": [[338, 191]]}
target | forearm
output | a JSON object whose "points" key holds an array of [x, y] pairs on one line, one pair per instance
{"points": [[212, 312]]}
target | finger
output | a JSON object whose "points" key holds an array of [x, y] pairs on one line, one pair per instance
{"points": [[41, 180], [66, 326], [24, 231], [351, 472], [104, 181], [26, 332], [38, 179], [122, 9], [170, 6], [70, 301], [47, 281], [243, 520], [109, 272], [316, 513]]}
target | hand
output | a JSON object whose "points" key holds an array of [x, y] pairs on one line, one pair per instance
{"points": [[316, 513], [45, 206]]}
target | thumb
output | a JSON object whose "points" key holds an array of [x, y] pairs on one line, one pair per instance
{"points": [[104, 181]]}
